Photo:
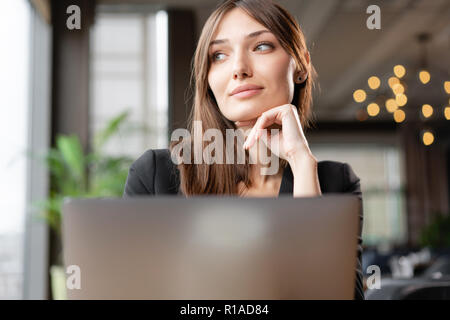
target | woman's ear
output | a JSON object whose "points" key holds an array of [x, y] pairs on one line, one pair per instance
{"points": [[302, 75], [307, 59]]}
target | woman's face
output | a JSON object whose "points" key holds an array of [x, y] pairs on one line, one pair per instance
{"points": [[242, 59]]}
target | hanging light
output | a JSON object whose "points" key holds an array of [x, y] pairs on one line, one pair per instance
{"points": [[391, 105], [402, 86], [427, 137], [373, 109], [399, 70], [359, 95], [392, 81], [447, 86], [401, 99], [398, 88], [374, 82], [399, 116], [424, 76], [427, 110]]}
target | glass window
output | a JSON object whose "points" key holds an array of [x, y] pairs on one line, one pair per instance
{"points": [[14, 79], [380, 169], [129, 72]]}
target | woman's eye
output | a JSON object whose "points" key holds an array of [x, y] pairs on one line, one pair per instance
{"points": [[214, 56], [265, 44]]}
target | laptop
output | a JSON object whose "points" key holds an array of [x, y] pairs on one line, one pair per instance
{"points": [[212, 247]]}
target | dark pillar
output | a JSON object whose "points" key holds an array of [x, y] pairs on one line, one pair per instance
{"points": [[182, 40], [70, 83]]}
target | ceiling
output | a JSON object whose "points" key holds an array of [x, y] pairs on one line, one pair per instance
{"points": [[346, 53]]}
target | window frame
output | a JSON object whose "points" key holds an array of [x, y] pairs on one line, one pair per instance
{"points": [[36, 244]]}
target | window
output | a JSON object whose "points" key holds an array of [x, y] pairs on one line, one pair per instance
{"points": [[379, 166], [129, 71], [14, 79]]}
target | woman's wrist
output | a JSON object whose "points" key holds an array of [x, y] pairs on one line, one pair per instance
{"points": [[301, 160], [304, 170]]}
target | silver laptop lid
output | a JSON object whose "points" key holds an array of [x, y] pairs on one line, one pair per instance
{"points": [[211, 247]]}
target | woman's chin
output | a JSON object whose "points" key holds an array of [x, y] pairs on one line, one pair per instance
{"points": [[250, 115], [246, 112]]}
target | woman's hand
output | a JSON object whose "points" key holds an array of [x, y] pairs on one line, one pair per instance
{"points": [[289, 143]]}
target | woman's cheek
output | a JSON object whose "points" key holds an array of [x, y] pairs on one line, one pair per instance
{"points": [[215, 77]]}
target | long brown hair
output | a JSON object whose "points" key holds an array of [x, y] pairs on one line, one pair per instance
{"points": [[196, 179]]}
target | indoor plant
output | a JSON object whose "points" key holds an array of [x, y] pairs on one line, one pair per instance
{"points": [[79, 174]]}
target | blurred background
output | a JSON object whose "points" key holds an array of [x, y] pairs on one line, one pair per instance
{"points": [[77, 106]]}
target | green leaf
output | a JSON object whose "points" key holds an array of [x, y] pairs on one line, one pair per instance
{"points": [[73, 156], [51, 211], [55, 163], [111, 128], [437, 233]]}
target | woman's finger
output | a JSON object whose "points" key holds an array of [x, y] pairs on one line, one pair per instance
{"points": [[250, 139], [272, 116], [271, 141]]}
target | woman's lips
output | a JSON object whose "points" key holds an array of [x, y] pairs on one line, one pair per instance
{"points": [[247, 93]]}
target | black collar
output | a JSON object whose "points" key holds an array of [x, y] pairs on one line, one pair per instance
{"points": [[287, 182]]}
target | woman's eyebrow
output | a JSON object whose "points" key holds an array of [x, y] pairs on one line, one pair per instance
{"points": [[251, 35]]}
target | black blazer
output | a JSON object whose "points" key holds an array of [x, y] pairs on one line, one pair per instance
{"points": [[154, 173]]}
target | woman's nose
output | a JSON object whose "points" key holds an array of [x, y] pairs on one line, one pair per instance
{"points": [[240, 74], [241, 67]]}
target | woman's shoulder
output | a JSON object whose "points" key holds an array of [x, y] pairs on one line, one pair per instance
{"points": [[152, 158], [152, 173], [335, 176]]}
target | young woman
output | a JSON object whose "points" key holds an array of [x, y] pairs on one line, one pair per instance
{"points": [[252, 71]]}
